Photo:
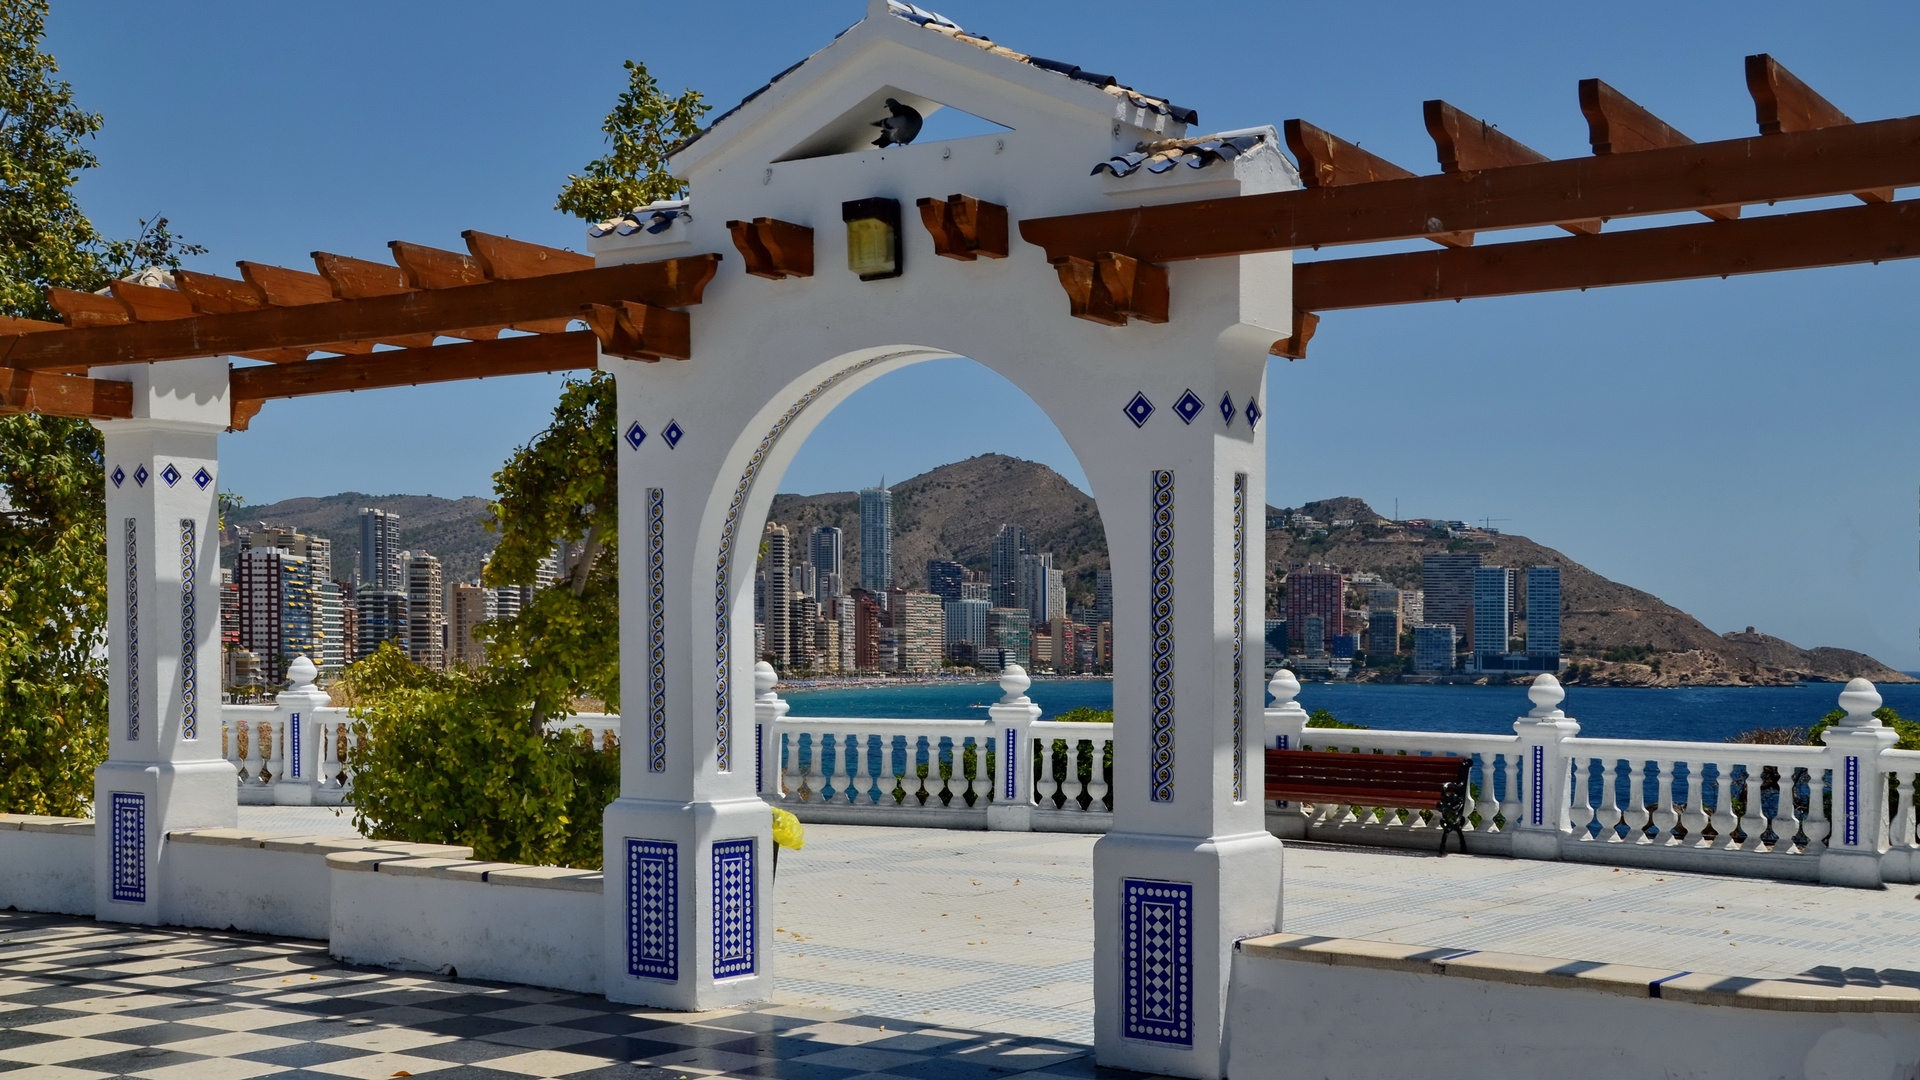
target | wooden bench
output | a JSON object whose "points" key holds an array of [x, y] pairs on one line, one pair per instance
{"points": [[1390, 780]]}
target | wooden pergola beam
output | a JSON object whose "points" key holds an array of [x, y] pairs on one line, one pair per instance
{"points": [[1800, 165], [1327, 160], [1783, 104], [670, 283], [1853, 234], [1617, 124], [1466, 143], [249, 386], [52, 394]]}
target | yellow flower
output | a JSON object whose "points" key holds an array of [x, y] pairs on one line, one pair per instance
{"points": [[787, 831]]}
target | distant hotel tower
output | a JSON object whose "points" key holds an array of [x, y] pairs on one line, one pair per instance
{"points": [[876, 539]]}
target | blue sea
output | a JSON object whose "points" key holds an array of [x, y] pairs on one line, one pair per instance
{"points": [[1703, 714]]}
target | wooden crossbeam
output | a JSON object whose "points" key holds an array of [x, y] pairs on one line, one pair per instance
{"points": [[1799, 165], [78, 308], [506, 259], [1783, 104], [1617, 124], [672, 283], [965, 228], [1326, 160], [1853, 234], [51, 394], [250, 386], [1469, 144], [774, 249]]}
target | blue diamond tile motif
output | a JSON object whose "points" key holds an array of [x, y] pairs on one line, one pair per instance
{"points": [[202, 478], [140, 475], [1139, 409], [129, 861], [1189, 406], [653, 909], [1253, 412], [1159, 960], [1226, 408], [170, 474], [636, 435], [673, 434], [119, 476], [733, 933]]}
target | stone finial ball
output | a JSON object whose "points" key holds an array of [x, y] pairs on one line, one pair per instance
{"points": [[1545, 693], [1013, 682], [1284, 686], [764, 678], [1860, 700], [301, 673]]}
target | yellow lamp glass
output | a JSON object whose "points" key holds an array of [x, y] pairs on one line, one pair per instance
{"points": [[870, 245]]}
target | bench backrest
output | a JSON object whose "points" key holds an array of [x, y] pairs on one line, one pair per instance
{"points": [[1404, 780]]}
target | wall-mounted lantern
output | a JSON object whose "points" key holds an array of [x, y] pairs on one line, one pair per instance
{"points": [[873, 237]]}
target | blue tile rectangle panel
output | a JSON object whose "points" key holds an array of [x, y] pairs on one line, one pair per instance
{"points": [[1159, 960], [733, 936], [653, 909], [1160, 582], [189, 633], [133, 631], [293, 745], [1852, 830], [1013, 777], [1539, 785], [656, 631], [129, 847], [1239, 636]]}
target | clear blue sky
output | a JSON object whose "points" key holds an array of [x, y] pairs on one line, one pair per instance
{"points": [[1744, 449]]}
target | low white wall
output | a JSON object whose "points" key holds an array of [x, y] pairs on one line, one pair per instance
{"points": [[1328, 1008], [540, 925], [265, 883], [46, 864]]}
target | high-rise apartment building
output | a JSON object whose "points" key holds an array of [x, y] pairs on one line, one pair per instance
{"points": [[777, 569], [944, 578], [1009, 544], [426, 611], [1316, 591], [349, 623], [279, 609], [1492, 610], [844, 611], [919, 629], [229, 610], [876, 540], [1037, 581], [1009, 638], [1433, 649], [825, 548], [380, 616], [977, 590], [867, 624], [333, 656], [1056, 595], [1383, 632], [1543, 611], [1103, 597], [1413, 606], [966, 629], [1446, 579], [472, 605], [381, 565]]}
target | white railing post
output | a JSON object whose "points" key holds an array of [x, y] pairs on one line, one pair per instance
{"points": [[1012, 807], [1543, 816], [767, 708], [298, 742], [1859, 814], [1286, 730]]}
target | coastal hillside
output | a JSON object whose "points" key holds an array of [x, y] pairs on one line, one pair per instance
{"points": [[447, 529]]}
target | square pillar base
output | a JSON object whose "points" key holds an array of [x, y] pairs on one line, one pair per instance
{"points": [[135, 806], [1167, 912], [686, 897]]}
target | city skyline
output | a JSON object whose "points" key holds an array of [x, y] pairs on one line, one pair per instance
{"points": [[1629, 425]]}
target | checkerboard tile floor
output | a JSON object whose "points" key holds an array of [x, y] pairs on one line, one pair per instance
{"points": [[81, 1000]]}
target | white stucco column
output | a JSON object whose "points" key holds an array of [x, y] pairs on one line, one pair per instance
{"points": [[1545, 814], [1859, 813], [768, 707], [688, 844], [164, 770], [299, 708], [1013, 716], [1286, 723]]}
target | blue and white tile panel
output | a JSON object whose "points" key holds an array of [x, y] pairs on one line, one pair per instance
{"points": [[1239, 636], [1539, 785], [129, 858], [656, 631], [1160, 583], [1011, 768], [133, 631], [293, 746], [1851, 824], [730, 537], [189, 634], [1159, 960], [733, 908], [653, 909]]}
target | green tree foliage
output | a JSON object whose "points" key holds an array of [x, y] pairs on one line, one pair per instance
{"points": [[53, 702], [1323, 718], [644, 126], [1909, 729], [451, 761]]}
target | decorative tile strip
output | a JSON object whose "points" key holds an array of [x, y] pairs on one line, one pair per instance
{"points": [[1539, 785], [1013, 779], [189, 638], [1159, 962], [1160, 787], [130, 847], [656, 631], [1853, 801], [1239, 636], [733, 937], [729, 536], [133, 631], [653, 909], [293, 746]]}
